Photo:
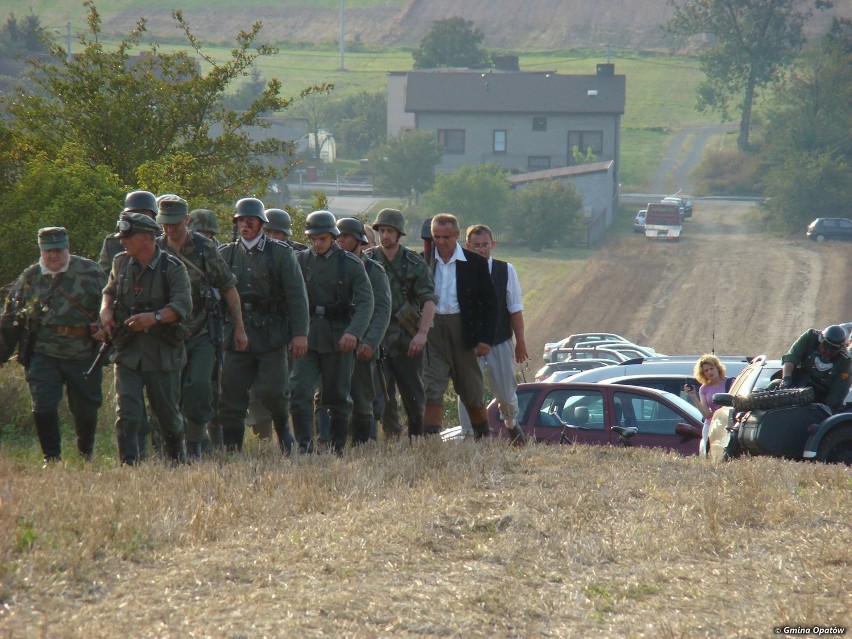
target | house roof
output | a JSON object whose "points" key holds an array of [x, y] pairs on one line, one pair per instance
{"points": [[565, 171], [516, 92]]}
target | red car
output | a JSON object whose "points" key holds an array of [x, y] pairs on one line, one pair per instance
{"points": [[566, 412]]}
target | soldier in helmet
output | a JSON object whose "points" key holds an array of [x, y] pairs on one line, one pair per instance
{"points": [[412, 310], [821, 360], [134, 202], [146, 298], [204, 221], [340, 301], [275, 315], [211, 280], [56, 301], [280, 227], [353, 239]]}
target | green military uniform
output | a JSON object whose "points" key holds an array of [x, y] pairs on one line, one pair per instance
{"points": [[275, 309], [340, 301], [150, 360], [362, 391], [109, 249], [410, 281], [59, 309], [830, 380], [208, 274]]}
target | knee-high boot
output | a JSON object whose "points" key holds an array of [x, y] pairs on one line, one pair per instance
{"points": [[47, 429]]}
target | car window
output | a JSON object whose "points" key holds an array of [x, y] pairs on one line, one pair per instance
{"points": [[524, 397], [648, 414], [578, 408]]}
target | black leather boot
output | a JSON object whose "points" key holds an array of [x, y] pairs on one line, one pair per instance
{"points": [[85, 428], [286, 438], [338, 427], [47, 429], [481, 430], [302, 426], [193, 451], [232, 438]]}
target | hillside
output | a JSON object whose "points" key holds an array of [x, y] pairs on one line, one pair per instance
{"points": [[533, 25]]}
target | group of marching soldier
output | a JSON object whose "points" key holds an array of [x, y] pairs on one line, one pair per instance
{"points": [[263, 326]]}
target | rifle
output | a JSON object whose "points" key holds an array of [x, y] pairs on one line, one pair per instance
{"points": [[380, 371]]}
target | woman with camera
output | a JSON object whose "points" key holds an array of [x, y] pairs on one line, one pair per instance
{"points": [[711, 373]]}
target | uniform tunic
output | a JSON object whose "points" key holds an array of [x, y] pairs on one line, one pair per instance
{"points": [[830, 380]]}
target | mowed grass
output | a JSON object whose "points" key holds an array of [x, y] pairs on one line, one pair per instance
{"points": [[454, 539]]}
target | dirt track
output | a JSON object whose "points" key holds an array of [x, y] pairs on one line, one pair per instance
{"points": [[724, 286]]}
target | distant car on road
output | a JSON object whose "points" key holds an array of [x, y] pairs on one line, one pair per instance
{"points": [[571, 340], [830, 228], [639, 221], [588, 352], [569, 412], [684, 204]]}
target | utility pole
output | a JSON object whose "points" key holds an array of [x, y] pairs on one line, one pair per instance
{"points": [[342, 36], [68, 41]]}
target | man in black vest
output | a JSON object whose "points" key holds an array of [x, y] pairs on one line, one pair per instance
{"points": [[498, 364], [464, 326]]}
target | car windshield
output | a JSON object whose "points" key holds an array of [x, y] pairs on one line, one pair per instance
{"points": [[753, 378]]}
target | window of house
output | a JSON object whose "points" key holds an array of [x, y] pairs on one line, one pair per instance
{"points": [[584, 140], [452, 140], [539, 123], [538, 162], [499, 141]]}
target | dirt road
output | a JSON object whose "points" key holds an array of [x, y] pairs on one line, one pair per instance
{"points": [[723, 286]]}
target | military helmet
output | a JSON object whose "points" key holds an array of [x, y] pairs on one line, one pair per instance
{"points": [[353, 227], [250, 207], [140, 201], [426, 229], [279, 220], [391, 218], [320, 222], [833, 338], [203, 220]]}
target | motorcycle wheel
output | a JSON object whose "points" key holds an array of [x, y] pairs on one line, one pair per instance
{"points": [[836, 447], [766, 400]]}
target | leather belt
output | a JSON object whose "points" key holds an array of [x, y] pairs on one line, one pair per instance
{"points": [[69, 331]]}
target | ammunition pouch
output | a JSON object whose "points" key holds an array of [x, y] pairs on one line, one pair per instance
{"points": [[408, 317]]}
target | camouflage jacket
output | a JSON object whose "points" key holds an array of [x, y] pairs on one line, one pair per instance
{"points": [[831, 381], [56, 305], [272, 293], [410, 280], [209, 262], [338, 277], [134, 290]]}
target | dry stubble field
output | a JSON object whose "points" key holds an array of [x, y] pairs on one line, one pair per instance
{"points": [[467, 540]]}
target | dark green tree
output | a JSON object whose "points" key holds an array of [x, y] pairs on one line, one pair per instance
{"points": [[452, 42], [476, 194], [405, 163], [359, 123], [754, 41], [150, 115], [22, 37], [546, 213]]}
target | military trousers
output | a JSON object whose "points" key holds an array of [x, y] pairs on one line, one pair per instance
{"points": [[334, 373], [363, 393], [163, 391], [47, 377], [407, 373], [266, 374], [196, 386]]}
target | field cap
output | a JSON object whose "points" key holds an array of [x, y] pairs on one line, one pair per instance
{"points": [[132, 223], [52, 237], [172, 211]]}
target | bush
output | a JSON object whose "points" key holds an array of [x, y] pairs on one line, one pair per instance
{"points": [[727, 172]]}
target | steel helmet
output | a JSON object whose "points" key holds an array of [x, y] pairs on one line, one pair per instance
{"points": [[279, 220], [250, 207], [203, 220], [426, 229], [140, 202], [320, 222], [391, 218], [833, 338], [353, 227]]}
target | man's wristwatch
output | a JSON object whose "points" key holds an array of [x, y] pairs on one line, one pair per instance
{"points": [[158, 317]]}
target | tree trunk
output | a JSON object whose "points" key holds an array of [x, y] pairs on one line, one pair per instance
{"points": [[745, 119]]}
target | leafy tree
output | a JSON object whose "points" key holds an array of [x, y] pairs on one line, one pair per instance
{"points": [[22, 37], [62, 190], [155, 116], [360, 123], [452, 42], [546, 212], [755, 40], [476, 194], [406, 163], [316, 107]]}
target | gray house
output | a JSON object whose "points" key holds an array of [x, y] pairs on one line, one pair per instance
{"points": [[526, 122]]}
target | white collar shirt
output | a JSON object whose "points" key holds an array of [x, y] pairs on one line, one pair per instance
{"points": [[513, 288], [445, 282]]}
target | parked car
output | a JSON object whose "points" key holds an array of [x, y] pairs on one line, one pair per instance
{"points": [[683, 203], [644, 351], [570, 412], [676, 365], [668, 382], [575, 365], [830, 228], [756, 419], [571, 340], [562, 354], [639, 221]]}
